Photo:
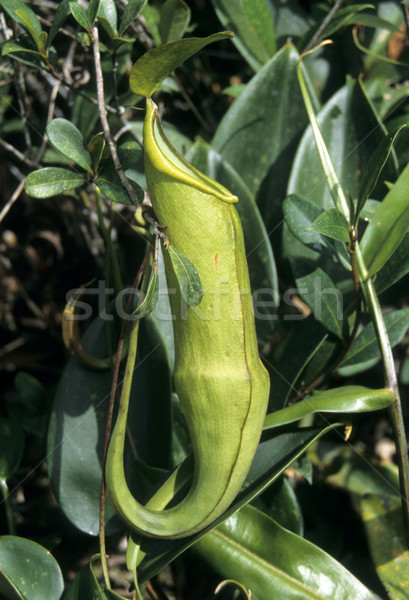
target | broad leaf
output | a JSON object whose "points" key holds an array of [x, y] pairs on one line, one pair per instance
{"points": [[28, 571], [131, 11], [252, 24], [22, 14], [23, 53], [331, 223], [93, 7], [107, 16], [187, 276], [174, 20], [347, 399], [274, 562], [80, 15], [67, 139], [388, 227], [51, 181], [151, 69], [111, 186]]}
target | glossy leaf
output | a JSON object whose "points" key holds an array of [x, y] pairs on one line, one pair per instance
{"points": [[382, 517], [131, 11], [110, 185], [51, 181], [11, 447], [59, 19], [107, 17], [96, 148], [80, 15], [174, 20], [150, 300], [67, 139], [396, 267], [366, 344], [252, 24], [151, 69], [260, 259], [321, 295], [28, 571], [331, 223], [78, 421], [30, 25], [274, 562], [22, 53], [374, 169], [187, 276], [388, 227], [23, 15], [347, 399], [92, 10], [262, 124]]}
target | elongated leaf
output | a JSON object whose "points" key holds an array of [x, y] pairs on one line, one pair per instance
{"points": [[374, 169], [67, 139], [59, 19], [252, 24], [187, 276], [366, 344], [28, 571], [321, 295], [11, 447], [30, 26], [132, 10], [16, 9], [396, 267], [388, 227], [93, 7], [258, 130], [348, 399], [110, 185], [151, 69], [107, 16], [51, 181], [86, 587], [275, 563], [149, 302], [23, 53], [80, 15], [331, 223], [174, 20], [382, 517]]}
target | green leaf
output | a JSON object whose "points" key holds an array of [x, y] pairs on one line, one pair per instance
{"points": [[67, 139], [86, 587], [132, 10], [22, 53], [321, 295], [382, 517], [23, 15], [366, 344], [150, 300], [92, 10], [96, 147], [396, 267], [151, 69], [252, 24], [187, 276], [174, 20], [60, 16], [388, 227], [129, 153], [110, 185], [80, 15], [272, 561], [347, 399], [374, 169], [257, 134], [107, 16], [51, 181], [28, 571], [11, 447], [260, 259], [78, 421], [331, 223]]}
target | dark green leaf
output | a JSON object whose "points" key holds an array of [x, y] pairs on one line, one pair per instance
{"points": [[150, 300], [174, 20], [96, 148], [331, 223], [92, 10], [187, 276], [51, 181], [151, 69], [67, 139], [28, 569], [58, 21], [80, 15], [347, 399], [388, 227], [11, 447], [366, 344], [24, 54], [374, 169], [129, 153], [30, 25], [252, 24], [132, 10], [110, 185], [396, 267], [271, 560], [23, 15], [321, 295]]}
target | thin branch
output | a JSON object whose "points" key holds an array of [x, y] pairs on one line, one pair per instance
{"points": [[15, 195], [17, 154], [104, 120], [324, 25]]}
